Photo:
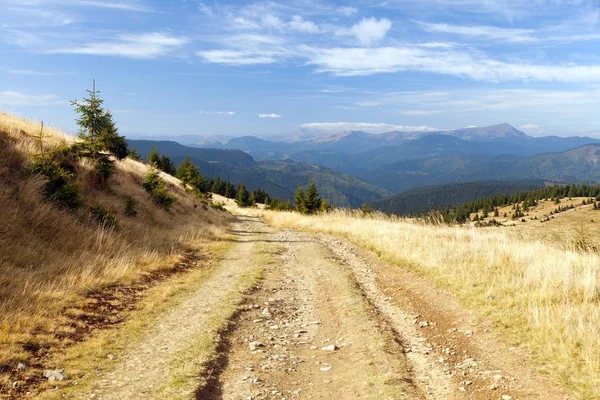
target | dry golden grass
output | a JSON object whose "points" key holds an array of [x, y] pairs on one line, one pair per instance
{"points": [[540, 295], [50, 258]]}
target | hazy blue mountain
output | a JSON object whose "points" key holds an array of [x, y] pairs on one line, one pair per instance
{"points": [[396, 161], [576, 165], [337, 150], [279, 178]]}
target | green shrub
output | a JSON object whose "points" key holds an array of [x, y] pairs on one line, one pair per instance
{"points": [[366, 208], [130, 207], [218, 206], [104, 217], [60, 174], [104, 168], [157, 189]]}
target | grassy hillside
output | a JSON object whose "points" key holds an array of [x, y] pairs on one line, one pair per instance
{"points": [[53, 255], [419, 200], [278, 178], [540, 295]]}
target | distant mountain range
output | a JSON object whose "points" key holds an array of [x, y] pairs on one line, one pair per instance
{"points": [[397, 161], [357, 166], [279, 178]]}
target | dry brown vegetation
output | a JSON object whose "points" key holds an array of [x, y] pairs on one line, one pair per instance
{"points": [[541, 294], [50, 258]]}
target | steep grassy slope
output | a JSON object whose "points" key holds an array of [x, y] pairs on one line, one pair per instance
{"points": [[51, 256], [279, 178]]}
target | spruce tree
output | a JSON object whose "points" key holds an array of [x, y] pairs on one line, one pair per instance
{"points": [[98, 133], [110, 140], [242, 197], [312, 200], [166, 165], [154, 157], [189, 174], [299, 200]]}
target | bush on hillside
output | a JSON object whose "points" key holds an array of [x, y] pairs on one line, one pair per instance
{"points": [[218, 206], [60, 174], [104, 217], [130, 207], [157, 188], [279, 205]]}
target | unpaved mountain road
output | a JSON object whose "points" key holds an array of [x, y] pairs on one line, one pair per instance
{"points": [[327, 320]]}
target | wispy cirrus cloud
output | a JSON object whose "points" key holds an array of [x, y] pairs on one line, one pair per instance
{"points": [[272, 115], [347, 11], [144, 45], [368, 61], [32, 72], [217, 112], [420, 113], [377, 127], [131, 5], [18, 99], [483, 32], [368, 104]]}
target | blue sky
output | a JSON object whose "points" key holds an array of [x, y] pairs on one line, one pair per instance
{"points": [[176, 67]]}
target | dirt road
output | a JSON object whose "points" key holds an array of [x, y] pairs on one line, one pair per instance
{"points": [[328, 320]]}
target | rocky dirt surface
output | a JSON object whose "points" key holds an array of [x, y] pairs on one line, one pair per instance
{"points": [[310, 333], [334, 321], [328, 320], [144, 367]]}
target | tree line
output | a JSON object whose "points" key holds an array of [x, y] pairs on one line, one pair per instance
{"points": [[528, 199], [306, 200]]}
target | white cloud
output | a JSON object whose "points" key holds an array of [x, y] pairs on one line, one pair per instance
{"points": [[113, 5], [347, 11], [125, 6], [36, 73], [206, 10], [18, 99], [235, 57], [419, 113], [368, 104], [529, 126], [369, 61], [247, 49], [526, 36], [269, 116], [301, 25], [366, 126], [496, 101], [332, 91], [217, 112], [492, 32], [270, 21], [368, 30], [145, 45]]}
